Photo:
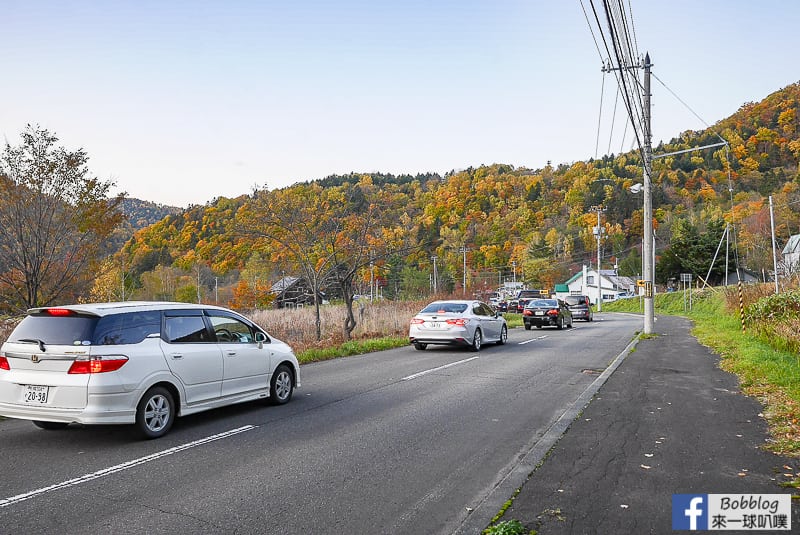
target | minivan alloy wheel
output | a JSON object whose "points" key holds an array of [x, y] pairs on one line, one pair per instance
{"points": [[282, 385], [155, 413]]}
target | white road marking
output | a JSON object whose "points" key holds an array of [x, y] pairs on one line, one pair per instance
{"points": [[120, 467], [420, 374], [532, 340]]}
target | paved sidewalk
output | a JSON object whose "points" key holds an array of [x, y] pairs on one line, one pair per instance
{"points": [[667, 421]]}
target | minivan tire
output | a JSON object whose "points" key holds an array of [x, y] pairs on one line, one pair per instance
{"points": [[155, 413], [281, 385]]}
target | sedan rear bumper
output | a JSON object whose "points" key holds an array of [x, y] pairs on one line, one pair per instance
{"points": [[543, 321], [449, 341]]}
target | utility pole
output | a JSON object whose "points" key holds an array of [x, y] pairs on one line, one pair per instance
{"points": [[514, 268], [198, 283], [464, 284], [371, 280], [774, 254], [435, 289], [649, 250], [598, 232]]}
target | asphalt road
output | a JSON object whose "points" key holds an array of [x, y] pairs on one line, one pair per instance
{"points": [[399, 441]]}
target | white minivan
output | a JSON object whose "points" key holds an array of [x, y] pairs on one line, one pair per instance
{"points": [[141, 363]]}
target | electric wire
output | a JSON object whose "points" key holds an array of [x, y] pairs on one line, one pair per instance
{"points": [[600, 116], [622, 72], [689, 108], [613, 120], [633, 29], [591, 31]]}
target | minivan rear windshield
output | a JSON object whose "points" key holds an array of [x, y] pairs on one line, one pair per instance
{"points": [[55, 330], [79, 329]]}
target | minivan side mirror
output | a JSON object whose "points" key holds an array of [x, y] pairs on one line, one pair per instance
{"points": [[261, 338]]}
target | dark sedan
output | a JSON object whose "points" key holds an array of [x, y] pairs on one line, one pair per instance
{"points": [[546, 313]]}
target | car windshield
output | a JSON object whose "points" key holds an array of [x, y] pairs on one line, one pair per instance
{"points": [[444, 308], [543, 303]]}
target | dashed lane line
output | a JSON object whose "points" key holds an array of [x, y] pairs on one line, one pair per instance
{"points": [[5, 502]]}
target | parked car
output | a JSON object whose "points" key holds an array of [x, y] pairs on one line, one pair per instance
{"points": [[141, 363], [580, 306], [457, 322], [546, 312]]}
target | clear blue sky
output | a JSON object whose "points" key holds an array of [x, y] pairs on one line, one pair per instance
{"points": [[180, 102]]}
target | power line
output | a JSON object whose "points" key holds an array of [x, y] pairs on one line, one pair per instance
{"points": [[688, 107]]}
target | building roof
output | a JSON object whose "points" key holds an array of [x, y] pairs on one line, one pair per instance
{"points": [[617, 281], [793, 245], [610, 276], [283, 284]]}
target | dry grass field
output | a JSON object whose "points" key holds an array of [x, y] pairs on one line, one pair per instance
{"points": [[374, 320]]}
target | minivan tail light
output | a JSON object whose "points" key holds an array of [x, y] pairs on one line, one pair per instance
{"points": [[4, 365], [97, 364]]}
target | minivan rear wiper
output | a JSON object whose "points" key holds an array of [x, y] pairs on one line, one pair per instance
{"points": [[35, 341]]}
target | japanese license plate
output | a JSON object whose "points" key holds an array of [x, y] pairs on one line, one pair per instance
{"points": [[36, 394], [434, 325], [540, 312]]}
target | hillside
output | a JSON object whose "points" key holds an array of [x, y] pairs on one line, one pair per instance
{"points": [[139, 214], [534, 225]]}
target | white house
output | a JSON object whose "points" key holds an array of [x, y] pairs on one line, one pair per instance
{"points": [[791, 256], [585, 283]]}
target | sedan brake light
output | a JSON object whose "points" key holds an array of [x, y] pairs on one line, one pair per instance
{"points": [[97, 364], [527, 312], [4, 364], [461, 322], [417, 321], [552, 312]]}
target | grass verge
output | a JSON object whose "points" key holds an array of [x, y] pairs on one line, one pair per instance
{"points": [[353, 347]]}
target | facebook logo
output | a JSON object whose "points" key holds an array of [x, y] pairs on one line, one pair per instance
{"points": [[690, 512]]}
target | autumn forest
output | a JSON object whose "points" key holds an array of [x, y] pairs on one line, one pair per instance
{"points": [[363, 233]]}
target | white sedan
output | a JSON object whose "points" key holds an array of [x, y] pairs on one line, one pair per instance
{"points": [[457, 322]]}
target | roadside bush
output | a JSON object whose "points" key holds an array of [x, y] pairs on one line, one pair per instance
{"points": [[776, 318]]}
